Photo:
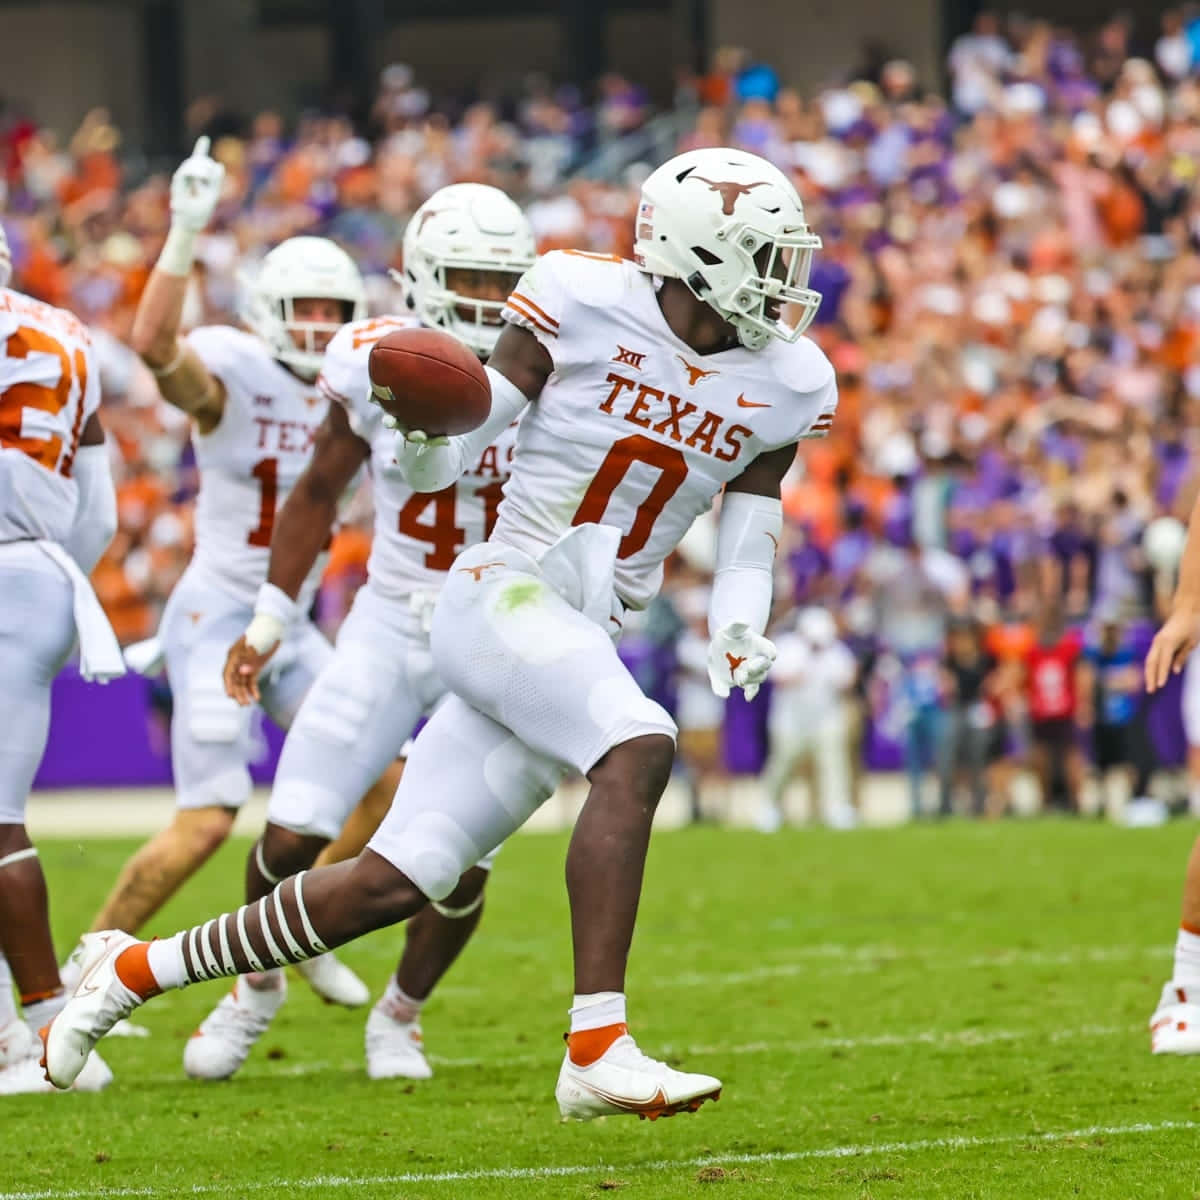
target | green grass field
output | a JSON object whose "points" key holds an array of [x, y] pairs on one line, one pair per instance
{"points": [[942, 1011]]}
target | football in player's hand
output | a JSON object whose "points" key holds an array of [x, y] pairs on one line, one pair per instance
{"points": [[430, 381]]}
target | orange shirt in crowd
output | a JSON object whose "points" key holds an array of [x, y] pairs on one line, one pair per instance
{"points": [[127, 609]]}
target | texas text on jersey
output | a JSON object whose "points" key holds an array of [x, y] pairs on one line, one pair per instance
{"points": [[633, 424]]}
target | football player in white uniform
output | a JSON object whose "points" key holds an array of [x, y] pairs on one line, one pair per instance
{"points": [[256, 409], [58, 512], [1175, 1022], [646, 388], [464, 250]]}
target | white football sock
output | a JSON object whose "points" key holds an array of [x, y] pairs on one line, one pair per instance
{"points": [[8, 1002], [1187, 960], [164, 957], [42, 1012], [397, 1004], [598, 1009]]}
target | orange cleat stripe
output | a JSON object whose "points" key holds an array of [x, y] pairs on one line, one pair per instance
{"points": [[133, 970], [586, 1046]]}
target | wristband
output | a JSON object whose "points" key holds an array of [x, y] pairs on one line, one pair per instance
{"points": [[178, 251], [263, 633], [163, 372], [273, 601]]}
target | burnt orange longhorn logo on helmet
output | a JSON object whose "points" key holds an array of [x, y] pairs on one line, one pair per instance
{"points": [[730, 191]]}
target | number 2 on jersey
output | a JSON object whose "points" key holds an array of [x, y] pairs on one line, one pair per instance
{"points": [[637, 448], [442, 532], [47, 387]]}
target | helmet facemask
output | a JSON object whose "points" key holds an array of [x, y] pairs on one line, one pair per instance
{"points": [[731, 227], [301, 268], [777, 266], [304, 353], [454, 304], [464, 251]]}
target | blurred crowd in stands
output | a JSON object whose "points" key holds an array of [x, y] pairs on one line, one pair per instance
{"points": [[1011, 299]]}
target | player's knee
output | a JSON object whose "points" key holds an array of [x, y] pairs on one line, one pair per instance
{"points": [[381, 892], [12, 837], [640, 766], [435, 852], [467, 897], [202, 831], [284, 851]]}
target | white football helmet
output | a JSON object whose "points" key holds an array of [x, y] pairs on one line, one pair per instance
{"points": [[466, 227], [300, 268], [731, 226], [5, 259]]}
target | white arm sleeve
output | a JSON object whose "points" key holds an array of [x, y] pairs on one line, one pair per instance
{"points": [[432, 468], [748, 532], [96, 512]]}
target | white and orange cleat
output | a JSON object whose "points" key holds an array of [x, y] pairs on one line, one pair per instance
{"points": [[333, 981], [1175, 1025], [100, 1000], [21, 1072], [227, 1035], [621, 1079], [395, 1049], [69, 973]]}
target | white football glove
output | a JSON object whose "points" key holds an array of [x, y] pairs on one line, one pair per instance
{"points": [[196, 189], [738, 657], [411, 439]]}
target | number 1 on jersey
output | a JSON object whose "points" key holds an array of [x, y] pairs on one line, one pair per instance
{"points": [[266, 471]]}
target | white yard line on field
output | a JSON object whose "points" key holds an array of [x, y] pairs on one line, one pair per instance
{"points": [[854, 960], [328, 1183]]}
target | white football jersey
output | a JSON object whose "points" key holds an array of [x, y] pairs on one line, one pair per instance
{"points": [[49, 386], [417, 535], [251, 461], [634, 428]]}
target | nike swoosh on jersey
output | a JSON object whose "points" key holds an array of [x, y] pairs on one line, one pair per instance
{"points": [[742, 402]]}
